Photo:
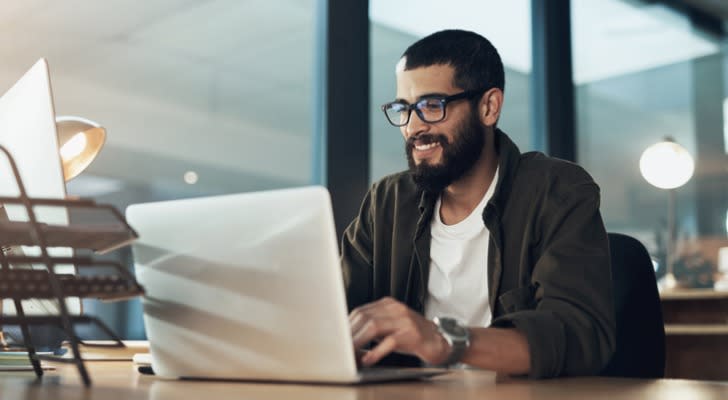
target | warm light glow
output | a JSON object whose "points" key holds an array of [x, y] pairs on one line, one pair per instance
{"points": [[191, 177], [73, 147], [666, 165], [723, 260]]}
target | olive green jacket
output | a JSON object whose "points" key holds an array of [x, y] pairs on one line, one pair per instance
{"points": [[548, 261]]}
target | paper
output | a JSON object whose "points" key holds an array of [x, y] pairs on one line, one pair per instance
{"points": [[109, 353], [142, 359], [18, 361]]}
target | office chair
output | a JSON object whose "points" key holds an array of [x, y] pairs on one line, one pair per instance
{"points": [[640, 351]]}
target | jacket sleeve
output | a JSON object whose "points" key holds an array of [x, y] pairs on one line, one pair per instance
{"points": [[572, 329], [357, 256]]}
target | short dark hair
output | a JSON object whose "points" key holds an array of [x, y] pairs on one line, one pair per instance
{"points": [[475, 60]]}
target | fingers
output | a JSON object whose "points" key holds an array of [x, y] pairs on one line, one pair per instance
{"points": [[409, 337], [385, 304], [396, 327], [376, 319], [386, 346], [372, 328], [358, 355]]}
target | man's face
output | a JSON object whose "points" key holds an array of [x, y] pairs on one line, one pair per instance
{"points": [[439, 153]]}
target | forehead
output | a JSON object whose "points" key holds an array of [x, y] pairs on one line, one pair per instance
{"points": [[416, 82]]}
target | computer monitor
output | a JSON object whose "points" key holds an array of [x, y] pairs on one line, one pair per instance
{"points": [[28, 131]]}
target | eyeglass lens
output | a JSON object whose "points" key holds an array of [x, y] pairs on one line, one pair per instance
{"points": [[429, 110]]}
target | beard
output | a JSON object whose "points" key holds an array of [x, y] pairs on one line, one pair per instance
{"points": [[457, 158]]}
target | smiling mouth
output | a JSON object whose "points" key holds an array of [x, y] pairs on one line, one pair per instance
{"points": [[425, 142], [428, 146], [425, 146]]}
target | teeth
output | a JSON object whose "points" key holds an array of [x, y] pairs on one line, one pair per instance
{"points": [[423, 147]]}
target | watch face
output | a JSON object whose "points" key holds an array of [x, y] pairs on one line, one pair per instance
{"points": [[453, 328], [459, 331]]}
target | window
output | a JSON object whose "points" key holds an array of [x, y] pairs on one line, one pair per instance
{"points": [[643, 73], [210, 91]]}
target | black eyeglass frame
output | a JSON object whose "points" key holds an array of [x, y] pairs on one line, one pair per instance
{"points": [[443, 104]]}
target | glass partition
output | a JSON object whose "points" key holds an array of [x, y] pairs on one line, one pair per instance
{"points": [[198, 98], [644, 74]]}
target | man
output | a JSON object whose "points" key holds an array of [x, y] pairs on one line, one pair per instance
{"points": [[477, 254]]}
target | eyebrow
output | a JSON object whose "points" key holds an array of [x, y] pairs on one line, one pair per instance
{"points": [[424, 96]]}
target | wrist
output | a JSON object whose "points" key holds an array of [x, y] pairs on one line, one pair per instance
{"points": [[456, 339]]}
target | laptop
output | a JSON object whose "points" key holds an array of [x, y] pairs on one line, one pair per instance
{"points": [[248, 287]]}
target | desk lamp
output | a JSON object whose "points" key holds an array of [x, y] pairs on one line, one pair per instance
{"points": [[79, 141], [667, 165]]}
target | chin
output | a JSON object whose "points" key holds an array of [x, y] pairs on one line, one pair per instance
{"points": [[429, 161]]}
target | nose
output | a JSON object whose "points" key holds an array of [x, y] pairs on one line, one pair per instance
{"points": [[415, 126]]}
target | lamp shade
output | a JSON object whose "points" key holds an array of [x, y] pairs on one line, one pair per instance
{"points": [[79, 141], [667, 165]]}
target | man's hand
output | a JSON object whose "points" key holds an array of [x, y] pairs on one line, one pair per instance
{"points": [[397, 328]]}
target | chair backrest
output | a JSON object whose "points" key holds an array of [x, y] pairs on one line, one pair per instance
{"points": [[640, 349]]}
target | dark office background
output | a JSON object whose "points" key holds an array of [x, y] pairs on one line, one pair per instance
{"points": [[253, 95]]}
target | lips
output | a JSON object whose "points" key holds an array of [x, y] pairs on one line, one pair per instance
{"points": [[425, 145], [425, 139]]}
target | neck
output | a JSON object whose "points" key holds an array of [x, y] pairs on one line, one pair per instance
{"points": [[462, 196]]}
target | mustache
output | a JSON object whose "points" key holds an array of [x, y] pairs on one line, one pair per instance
{"points": [[425, 139]]}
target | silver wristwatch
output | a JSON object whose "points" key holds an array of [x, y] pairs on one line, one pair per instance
{"points": [[456, 335]]}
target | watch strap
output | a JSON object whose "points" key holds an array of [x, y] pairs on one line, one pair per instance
{"points": [[458, 348]]}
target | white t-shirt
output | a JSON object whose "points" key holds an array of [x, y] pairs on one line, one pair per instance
{"points": [[458, 282]]}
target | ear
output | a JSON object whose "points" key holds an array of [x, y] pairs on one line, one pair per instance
{"points": [[489, 107]]}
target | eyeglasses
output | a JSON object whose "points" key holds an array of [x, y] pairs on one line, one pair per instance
{"points": [[430, 109]]}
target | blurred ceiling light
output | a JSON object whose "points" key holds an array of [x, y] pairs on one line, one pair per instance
{"points": [[191, 177], [79, 141]]}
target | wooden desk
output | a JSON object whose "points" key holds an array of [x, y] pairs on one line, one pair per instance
{"points": [[696, 329], [116, 380]]}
